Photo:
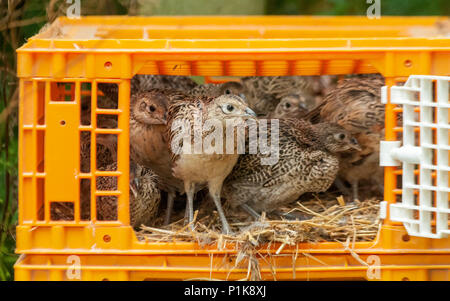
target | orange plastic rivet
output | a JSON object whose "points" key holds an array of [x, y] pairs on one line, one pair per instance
{"points": [[108, 65], [106, 238], [62, 122], [405, 279], [105, 279], [408, 63]]}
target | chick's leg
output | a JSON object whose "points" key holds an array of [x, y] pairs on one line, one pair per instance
{"points": [[251, 211], [170, 199], [189, 214], [215, 188]]}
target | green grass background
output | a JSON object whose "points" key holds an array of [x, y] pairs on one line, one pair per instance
{"points": [[21, 19]]}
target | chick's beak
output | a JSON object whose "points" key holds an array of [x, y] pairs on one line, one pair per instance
{"points": [[302, 106], [357, 148], [158, 120], [133, 188], [354, 145], [249, 112]]}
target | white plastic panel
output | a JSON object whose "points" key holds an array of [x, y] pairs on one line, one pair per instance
{"points": [[425, 214]]}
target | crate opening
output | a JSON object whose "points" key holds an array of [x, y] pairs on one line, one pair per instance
{"points": [[106, 183], [85, 110], [106, 152], [40, 198], [85, 151], [107, 156], [62, 211], [62, 91], [85, 199], [40, 116], [40, 160], [106, 208], [107, 121], [107, 96]]}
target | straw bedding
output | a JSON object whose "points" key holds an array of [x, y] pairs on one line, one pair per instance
{"points": [[327, 218]]}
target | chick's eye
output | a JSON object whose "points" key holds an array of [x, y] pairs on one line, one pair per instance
{"points": [[152, 108], [227, 91], [227, 108], [287, 105], [341, 136]]}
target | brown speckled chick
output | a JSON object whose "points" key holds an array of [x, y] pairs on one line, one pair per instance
{"points": [[301, 101], [215, 90], [307, 163], [144, 196], [148, 120], [355, 104], [204, 168], [263, 93], [292, 106], [149, 139]]}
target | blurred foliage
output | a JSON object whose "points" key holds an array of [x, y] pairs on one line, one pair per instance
{"points": [[21, 19], [14, 29], [201, 7], [357, 7]]}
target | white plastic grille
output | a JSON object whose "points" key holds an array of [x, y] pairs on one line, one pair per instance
{"points": [[424, 209]]}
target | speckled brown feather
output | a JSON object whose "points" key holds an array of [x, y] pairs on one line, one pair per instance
{"points": [[144, 207], [293, 106], [355, 104], [212, 90], [265, 92], [215, 90], [304, 165], [185, 109]]}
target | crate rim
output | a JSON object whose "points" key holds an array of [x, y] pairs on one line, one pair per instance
{"points": [[257, 23]]}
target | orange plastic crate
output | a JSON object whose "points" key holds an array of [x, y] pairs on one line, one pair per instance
{"points": [[114, 49]]}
